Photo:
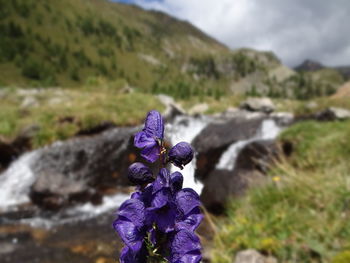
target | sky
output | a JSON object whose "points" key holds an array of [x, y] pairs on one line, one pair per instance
{"points": [[294, 30]]}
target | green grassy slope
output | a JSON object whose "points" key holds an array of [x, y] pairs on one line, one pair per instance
{"points": [[302, 214], [65, 42], [71, 43]]}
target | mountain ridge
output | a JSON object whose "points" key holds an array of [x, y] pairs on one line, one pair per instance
{"points": [[89, 42], [313, 65]]}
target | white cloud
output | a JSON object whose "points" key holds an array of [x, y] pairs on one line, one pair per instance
{"points": [[293, 29]]}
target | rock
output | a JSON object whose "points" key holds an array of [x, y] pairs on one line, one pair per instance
{"points": [[166, 100], [78, 241], [99, 128], [332, 114], [8, 153], [258, 104], [127, 89], [283, 118], [311, 105], [257, 155], [217, 137], [253, 256], [81, 169], [172, 109], [198, 109], [29, 102], [231, 113], [250, 168], [217, 186], [55, 101]]}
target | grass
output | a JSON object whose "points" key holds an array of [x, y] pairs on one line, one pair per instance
{"points": [[303, 107], [61, 113], [214, 105], [302, 214]]}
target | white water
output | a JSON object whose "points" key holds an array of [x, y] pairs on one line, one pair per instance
{"points": [[268, 131], [186, 129], [16, 181], [79, 213]]}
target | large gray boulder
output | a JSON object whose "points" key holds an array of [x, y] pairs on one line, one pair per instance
{"points": [[250, 169], [82, 169], [333, 113], [217, 137], [258, 104], [172, 109]]}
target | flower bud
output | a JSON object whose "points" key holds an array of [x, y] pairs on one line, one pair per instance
{"points": [[140, 174], [181, 154]]}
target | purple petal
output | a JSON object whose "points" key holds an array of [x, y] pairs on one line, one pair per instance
{"points": [[136, 195], [142, 140], [127, 255], [134, 211], [163, 210], [165, 218], [184, 244], [193, 257], [181, 154], [162, 180], [191, 221], [186, 200], [129, 233], [176, 181], [161, 198], [140, 174], [151, 154], [154, 125]]}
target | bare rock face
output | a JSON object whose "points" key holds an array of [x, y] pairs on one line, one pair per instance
{"points": [[172, 109], [332, 114], [9, 151], [252, 256], [199, 109], [250, 168], [80, 169], [217, 137], [258, 104]]}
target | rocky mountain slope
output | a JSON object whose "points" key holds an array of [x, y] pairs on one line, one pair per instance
{"points": [[86, 42], [314, 66]]}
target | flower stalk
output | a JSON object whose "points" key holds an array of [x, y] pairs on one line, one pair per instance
{"points": [[157, 223]]}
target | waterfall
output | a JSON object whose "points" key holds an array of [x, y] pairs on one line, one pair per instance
{"points": [[186, 128], [16, 181], [269, 130]]}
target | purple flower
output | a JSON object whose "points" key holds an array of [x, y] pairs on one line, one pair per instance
{"points": [[163, 210], [140, 174], [151, 137], [189, 215], [185, 247], [159, 219], [166, 180], [131, 224], [163, 207], [181, 154], [127, 255]]}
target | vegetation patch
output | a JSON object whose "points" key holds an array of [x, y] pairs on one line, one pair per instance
{"points": [[302, 214], [61, 113]]}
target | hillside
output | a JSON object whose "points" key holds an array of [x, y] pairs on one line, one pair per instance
{"points": [[89, 42], [315, 66], [343, 91]]}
